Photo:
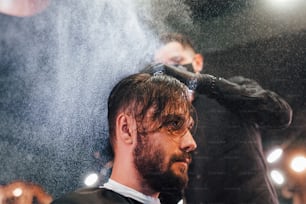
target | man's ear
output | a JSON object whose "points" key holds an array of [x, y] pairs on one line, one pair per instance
{"points": [[125, 128], [198, 63]]}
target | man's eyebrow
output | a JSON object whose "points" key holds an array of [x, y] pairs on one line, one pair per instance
{"points": [[176, 57], [175, 116], [181, 118]]}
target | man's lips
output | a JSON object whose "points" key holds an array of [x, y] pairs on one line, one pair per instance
{"points": [[183, 164], [187, 161], [184, 158]]}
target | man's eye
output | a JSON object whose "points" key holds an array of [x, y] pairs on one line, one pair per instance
{"points": [[175, 125], [176, 60]]}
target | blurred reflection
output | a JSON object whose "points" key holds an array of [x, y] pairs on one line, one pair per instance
{"points": [[21, 192], [294, 167], [297, 194], [104, 168], [22, 8], [290, 168]]}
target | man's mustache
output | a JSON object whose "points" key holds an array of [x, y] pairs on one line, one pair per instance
{"points": [[184, 157]]}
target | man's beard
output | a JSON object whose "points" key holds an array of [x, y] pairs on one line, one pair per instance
{"points": [[149, 161]]}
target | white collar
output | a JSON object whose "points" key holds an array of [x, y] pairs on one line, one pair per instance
{"points": [[129, 192]]}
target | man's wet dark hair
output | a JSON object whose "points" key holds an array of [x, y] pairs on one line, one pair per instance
{"points": [[138, 94]]}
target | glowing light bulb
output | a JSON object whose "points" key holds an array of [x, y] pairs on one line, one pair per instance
{"points": [[6, 4], [91, 179], [275, 155], [298, 164], [277, 177], [181, 202], [284, 4], [17, 192]]}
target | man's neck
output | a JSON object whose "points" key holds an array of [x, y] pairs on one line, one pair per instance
{"points": [[133, 180], [130, 192]]}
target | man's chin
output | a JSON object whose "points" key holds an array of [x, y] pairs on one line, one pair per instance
{"points": [[180, 168], [174, 180], [180, 171]]}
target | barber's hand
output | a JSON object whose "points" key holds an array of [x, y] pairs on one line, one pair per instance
{"points": [[179, 72]]}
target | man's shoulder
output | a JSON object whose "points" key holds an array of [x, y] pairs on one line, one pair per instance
{"points": [[92, 196]]}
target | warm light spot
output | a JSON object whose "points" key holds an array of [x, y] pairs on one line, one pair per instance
{"points": [[17, 192], [298, 164]]}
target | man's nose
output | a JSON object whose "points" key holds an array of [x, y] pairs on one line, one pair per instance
{"points": [[188, 143]]}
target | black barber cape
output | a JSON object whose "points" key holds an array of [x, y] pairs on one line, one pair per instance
{"points": [[94, 196]]}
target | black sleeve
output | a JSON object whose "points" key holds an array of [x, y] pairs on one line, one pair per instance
{"points": [[247, 98], [240, 95]]}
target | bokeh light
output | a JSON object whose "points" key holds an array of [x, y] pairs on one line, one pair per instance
{"points": [[91, 179], [277, 176], [275, 155]]}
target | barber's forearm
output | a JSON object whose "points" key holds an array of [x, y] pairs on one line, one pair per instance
{"points": [[277, 113], [217, 87], [263, 107], [241, 95]]}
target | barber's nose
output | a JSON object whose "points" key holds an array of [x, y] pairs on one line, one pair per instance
{"points": [[188, 144]]}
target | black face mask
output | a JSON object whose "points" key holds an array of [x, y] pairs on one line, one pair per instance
{"points": [[186, 67]]}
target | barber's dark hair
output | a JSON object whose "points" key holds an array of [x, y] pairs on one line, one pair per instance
{"points": [[139, 93], [177, 37]]}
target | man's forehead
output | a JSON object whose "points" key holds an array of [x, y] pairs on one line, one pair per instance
{"points": [[171, 50], [173, 47], [182, 111]]}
